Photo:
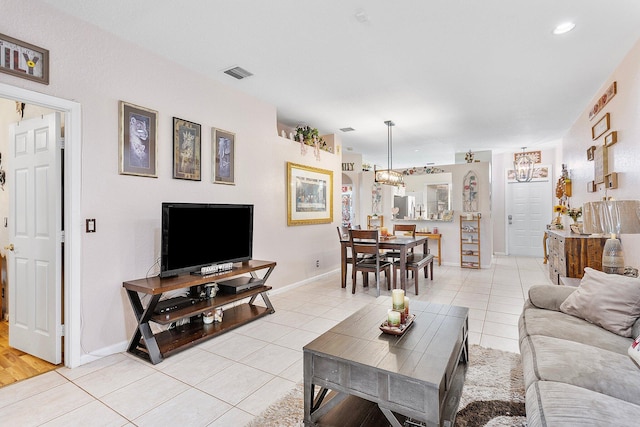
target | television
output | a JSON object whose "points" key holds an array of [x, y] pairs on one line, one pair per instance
{"points": [[196, 235]]}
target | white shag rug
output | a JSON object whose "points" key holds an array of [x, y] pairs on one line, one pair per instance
{"points": [[493, 395]]}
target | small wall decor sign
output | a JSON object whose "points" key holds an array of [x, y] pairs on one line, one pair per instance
{"points": [[536, 156], [603, 100], [24, 60]]}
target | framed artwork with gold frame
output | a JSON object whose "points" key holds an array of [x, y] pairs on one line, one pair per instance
{"points": [[186, 150], [601, 126], [309, 195]]}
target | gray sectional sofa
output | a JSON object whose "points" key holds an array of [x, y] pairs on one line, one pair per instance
{"points": [[576, 372]]}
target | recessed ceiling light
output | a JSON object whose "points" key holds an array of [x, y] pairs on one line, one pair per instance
{"points": [[347, 129], [563, 28]]}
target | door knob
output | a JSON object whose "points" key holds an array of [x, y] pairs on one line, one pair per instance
{"points": [[510, 217], [9, 247]]}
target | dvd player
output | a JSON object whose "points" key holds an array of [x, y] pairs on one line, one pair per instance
{"points": [[239, 284], [173, 304]]}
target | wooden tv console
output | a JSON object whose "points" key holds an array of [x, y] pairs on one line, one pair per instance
{"points": [[155, 347]]}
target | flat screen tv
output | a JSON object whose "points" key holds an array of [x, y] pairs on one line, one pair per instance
{"points": [[195, 235]]}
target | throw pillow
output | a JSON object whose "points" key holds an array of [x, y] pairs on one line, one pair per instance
{"points": [[610, 301], [634, 351]]}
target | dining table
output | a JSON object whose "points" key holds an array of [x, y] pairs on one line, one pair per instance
{"points": [[401, 244]]}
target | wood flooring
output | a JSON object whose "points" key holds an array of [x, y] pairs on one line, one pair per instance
{"points": [[16, 365]]}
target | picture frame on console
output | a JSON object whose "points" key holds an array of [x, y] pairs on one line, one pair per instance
{"points": [[223, 156], [309, 195], [137, 149], [186, 150]]}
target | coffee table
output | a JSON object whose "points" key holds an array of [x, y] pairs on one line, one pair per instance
{"points": [[418, 375]]}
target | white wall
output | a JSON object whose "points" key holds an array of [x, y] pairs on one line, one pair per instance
{"points": [[624, 156], [97, 70]]}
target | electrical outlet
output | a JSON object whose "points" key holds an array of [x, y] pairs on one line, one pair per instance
{"points": [[317, 263]]}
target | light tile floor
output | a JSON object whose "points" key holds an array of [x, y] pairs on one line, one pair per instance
{"points": [[230, 379]]}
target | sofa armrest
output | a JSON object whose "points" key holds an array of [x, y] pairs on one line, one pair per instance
{"points": [[549, 297]]}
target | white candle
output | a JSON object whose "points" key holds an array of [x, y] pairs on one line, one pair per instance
{"points": [[406, 306], [394, 318], [397, 298]]}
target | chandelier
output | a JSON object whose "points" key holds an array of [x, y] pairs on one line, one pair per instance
{"points": [[389, 176], [524, 167]]}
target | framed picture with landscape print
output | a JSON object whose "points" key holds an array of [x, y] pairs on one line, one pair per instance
{"points": [[223, 156], [186, 150], [309, 195], [138, 127]]}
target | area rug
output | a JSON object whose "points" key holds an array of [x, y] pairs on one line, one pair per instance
{"points": [[493, 395]]}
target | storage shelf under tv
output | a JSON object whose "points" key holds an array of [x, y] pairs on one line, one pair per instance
{"points": [[155, 347]]}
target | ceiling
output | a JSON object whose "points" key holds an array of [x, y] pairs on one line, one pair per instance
{"points": [[454, 75]]}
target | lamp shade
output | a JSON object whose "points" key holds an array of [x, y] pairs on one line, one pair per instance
{"points": [[611, 217]]}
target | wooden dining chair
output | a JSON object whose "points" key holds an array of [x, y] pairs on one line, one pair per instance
{"points": [[366, 257], [404, 228]]}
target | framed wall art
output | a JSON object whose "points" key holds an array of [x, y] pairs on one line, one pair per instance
{"points": [[603, 100], [24, 60], [186, 150], [601, 164], [611, 138], [309, 195], [138, 127], [600, 127], [223, 156], [536, 156]]}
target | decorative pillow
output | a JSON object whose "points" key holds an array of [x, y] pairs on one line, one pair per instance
{"points": [[634, 351], [610, 301]]}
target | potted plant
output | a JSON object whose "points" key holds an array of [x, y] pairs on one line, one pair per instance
{"points": [[309, 135]]}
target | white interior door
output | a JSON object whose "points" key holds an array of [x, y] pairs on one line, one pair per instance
{"points": [[35, 224], [528, 210]]}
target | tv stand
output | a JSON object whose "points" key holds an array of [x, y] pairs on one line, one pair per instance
{"points": [[155, 347]]}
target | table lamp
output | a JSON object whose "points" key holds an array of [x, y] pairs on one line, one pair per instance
{"points": [[612, 217]]}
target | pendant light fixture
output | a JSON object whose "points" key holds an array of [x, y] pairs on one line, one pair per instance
{"points": [[389, 176], [524, 167]]}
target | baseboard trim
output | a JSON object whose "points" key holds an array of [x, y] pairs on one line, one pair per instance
{"points": [[103, 352]]}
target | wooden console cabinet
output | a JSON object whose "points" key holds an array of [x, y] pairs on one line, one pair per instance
{"points": [[570, 253], [155, 347]]}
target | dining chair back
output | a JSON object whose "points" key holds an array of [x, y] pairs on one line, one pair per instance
{"points": [[366, 257], [406, 229]]}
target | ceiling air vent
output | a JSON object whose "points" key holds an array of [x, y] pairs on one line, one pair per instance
{"points": [[238, 72], [349, 129]]}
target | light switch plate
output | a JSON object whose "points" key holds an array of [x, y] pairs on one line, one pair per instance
{"points": [[91, 225]]}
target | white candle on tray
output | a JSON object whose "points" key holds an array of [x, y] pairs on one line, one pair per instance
{"points": [[393, 318], [397, 298]]}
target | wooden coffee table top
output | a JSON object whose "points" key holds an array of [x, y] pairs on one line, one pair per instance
{"points": [[421, 353]]}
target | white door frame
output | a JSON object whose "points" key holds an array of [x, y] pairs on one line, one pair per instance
{"points": [[72, 211]]}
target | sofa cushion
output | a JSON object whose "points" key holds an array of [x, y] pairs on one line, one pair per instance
{"points": [[608, 300], [549, 296], [581, 365], [537, 321], [555, 404]]}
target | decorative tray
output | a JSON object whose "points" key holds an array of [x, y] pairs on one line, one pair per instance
{"points": [[397, 330], [387, 237]]}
